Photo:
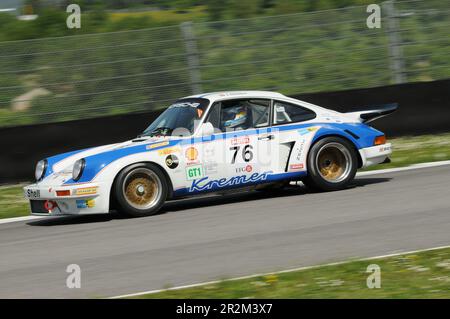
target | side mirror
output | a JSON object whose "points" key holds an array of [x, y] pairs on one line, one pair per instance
{"points": [[206, 129]]}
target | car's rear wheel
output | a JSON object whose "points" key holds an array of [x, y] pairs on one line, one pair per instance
{"points": [[140, 190], [332, 164]]}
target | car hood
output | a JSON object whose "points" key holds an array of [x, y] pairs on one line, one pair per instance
{"points": [[62, 164]]}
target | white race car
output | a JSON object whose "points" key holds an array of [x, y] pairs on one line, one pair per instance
{"points": [[211, 143]]}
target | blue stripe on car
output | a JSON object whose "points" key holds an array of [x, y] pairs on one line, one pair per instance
{"points": [[215, 186], [57, 158], [95, 163]]}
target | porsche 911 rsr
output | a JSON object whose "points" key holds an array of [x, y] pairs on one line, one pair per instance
{"points": [[212, 143]]}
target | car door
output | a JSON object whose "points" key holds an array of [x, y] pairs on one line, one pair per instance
{"points": [[231, 156]]}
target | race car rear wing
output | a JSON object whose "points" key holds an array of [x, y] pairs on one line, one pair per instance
{"points": [[373, 114]]}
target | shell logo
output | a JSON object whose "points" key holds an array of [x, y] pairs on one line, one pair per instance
{"points": [[191, 153]]}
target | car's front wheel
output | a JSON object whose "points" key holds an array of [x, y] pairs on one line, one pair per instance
{"points": [[140, 190], [332, 164]]}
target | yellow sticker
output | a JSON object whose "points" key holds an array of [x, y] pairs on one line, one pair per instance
{"points": [[86, 191], [191, 153], [90, 203], [169, 150], [149, 147]]}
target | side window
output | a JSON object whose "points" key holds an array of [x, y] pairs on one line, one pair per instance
{"points": [[290, 113], [240, 114], [260, 112]]}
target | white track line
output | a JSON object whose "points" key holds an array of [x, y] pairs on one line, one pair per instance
{"points": [[407, 168], [17, 219], [276, 272], [381, 171]]}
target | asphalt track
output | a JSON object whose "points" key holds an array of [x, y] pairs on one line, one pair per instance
{"points": [[204, 239]]}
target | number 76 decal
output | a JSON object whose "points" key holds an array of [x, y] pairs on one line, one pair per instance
{"points": [[247, 154]]}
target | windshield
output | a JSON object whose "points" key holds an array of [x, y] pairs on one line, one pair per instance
{"points": [[180, 118]]}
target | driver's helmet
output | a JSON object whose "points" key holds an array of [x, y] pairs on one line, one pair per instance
{"points": [[235, 116]]}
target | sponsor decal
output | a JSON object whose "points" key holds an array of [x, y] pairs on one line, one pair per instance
{"points": [[210, 168], [300, 150], [205, 184], [151, 146], [169, 150], [307, 130], [33, 193], [194, 172], [294, 167], [185, 104], [172, 161], [385, 149], [209, 152], [232, 93], [191, 153], [238, 140], [86, 190], [89, 203], [244, 169]]}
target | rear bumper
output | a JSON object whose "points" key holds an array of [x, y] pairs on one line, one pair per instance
{"points": [[375, 154], [79, 199]]}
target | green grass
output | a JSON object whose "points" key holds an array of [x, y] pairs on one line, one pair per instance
{"points": [[406, 151], [12, 202], [419, 275], [417, 149], [168, 17], [286, 53]]}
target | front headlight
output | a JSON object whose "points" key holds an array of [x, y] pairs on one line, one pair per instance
{"points": [[78, 168], [41, 167]]}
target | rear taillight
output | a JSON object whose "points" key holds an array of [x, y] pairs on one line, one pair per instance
{"points": [[380, 140]]}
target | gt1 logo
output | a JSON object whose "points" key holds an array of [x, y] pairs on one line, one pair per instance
{"points": [[74, 278], [194, 172], [374, 19], [374, 279], [74, 19]]}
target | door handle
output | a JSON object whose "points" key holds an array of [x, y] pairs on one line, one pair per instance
{"points": [[266, 137]]}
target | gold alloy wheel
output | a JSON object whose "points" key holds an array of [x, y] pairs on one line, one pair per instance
{"points": [[142, 188], [334, 162]]}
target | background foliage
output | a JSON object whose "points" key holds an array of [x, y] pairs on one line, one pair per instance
{"points": [[51, 73]]}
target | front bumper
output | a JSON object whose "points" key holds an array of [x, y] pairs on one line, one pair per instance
{"points": [[375, 154], [75, 199]]}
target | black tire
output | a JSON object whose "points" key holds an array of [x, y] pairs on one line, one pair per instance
{"points": [[140, 190], [332, 164]]}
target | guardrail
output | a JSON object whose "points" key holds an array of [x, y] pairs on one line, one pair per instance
{"points": [[423, 108]]}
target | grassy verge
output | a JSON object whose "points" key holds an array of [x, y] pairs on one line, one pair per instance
{"points": [[167, 17], [418, 149], [12, 202], [406, 151], [419, 275]]}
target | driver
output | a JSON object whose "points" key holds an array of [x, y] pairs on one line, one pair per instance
{"points": [[235, 117]]}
